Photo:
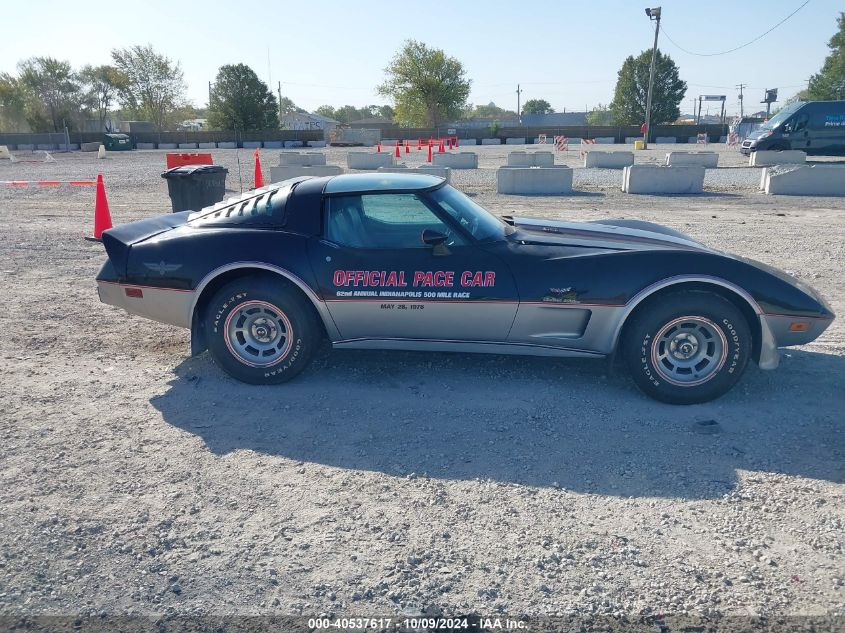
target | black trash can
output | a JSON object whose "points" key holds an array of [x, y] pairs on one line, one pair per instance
{"points": [[193, 187]]}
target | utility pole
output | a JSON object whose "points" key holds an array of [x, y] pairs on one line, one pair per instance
{"points": [[518, 104], [741, 111], [279, 92], [653, 14]]}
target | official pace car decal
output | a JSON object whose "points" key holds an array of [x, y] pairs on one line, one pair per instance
{"points": [[422, 284]]}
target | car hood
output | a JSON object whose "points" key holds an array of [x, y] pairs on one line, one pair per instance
{"points": [[610, 234]]}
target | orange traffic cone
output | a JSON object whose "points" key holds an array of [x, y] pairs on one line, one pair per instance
{"points": [[259, 177], [102, 217], [396, 151], [450, 142], [456, 141], [429, 151], [419, 143], [407, 149], [378, 147], [441, 149]]}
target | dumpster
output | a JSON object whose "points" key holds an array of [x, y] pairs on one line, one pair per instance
{"points": [[117, 142], [192, 187]]}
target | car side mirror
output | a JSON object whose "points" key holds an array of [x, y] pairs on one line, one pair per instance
{"points": [[436, 240]]}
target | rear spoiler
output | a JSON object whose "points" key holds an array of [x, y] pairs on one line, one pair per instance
{"points": [[119, 239]]}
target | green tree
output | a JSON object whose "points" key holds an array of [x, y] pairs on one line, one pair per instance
{"points": [[829, 83], [537, 106], [489, 111], [427, 86], [326, 111], [12, 104], [629, 98], [101, 84], [600, 115], [287, 106], [241, 101], [154, 87], [54, 94]]}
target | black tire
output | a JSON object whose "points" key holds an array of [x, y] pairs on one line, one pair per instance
{"points": [[687, 347], [261, 330]]}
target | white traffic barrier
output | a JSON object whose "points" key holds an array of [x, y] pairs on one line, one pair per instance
{"points": [[514, 141], [540, 181], [137, 146], [283, 172], [531, 159], [101, 151], [251, 144], [316, 143], [659, 179], [227, 145], [86, 147], [666, 139], [605, 140], [303, 159], [456, 160], [608, 160], [206, 145], [705, 159], [4, 152], [804, 180], [767, 158], [467, 141], [631, 139], [167, 145], [431, 170], [491, 141], [273, 144], [369, 160], [187, 146]]}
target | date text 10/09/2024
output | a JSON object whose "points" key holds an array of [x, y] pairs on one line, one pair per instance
{"points": [[424, 623]]}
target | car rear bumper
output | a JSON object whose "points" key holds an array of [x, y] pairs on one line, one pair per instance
{"points": [[159, 304]]}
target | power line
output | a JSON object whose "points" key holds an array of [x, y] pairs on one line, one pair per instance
{"points": [[759, 37]]}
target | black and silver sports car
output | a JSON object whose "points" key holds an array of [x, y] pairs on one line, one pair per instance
{"points": [[394, 261]]}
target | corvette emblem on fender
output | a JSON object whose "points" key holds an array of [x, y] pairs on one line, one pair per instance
{"points": [[162, 267]]}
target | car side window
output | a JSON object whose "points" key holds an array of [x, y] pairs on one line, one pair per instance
{"points": [[388, 220]]}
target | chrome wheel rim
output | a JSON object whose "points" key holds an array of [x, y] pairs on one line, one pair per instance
{"points": [[689, 351], [258, 334]]}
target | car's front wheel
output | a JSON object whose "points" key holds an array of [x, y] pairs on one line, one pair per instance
{"points": [[260, 330], [687, 347]]}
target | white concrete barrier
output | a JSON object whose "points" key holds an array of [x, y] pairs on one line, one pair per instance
{"points": [[531, 159], [514, 141], [30, 147], [187, 146], [787, 157], [316, 143], [167, 145], [303, 159], [251, 144], [137, 146], [369, 160], [456, 160], [283, 172], [705, 159], [65, 147], [274, 144], [4, 152], [659, 179], [46, 146], [205, 146], [289, 144], [608, 160], [491, 141], [804, 180], [467, 141], [666, 139], [431, 170], [93, 147], [542, 181], [227, 145], [605, 140]]}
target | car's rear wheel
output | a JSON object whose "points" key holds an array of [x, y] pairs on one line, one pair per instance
{"points": [[260, 330], [687, 347]]}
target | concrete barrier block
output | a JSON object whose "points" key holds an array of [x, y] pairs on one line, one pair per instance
{"points": [[787, 157], [289, 144], [709, 160], [659, 179], [539, 181], [68, 148], [805, 180], [514, 141], [316, 143], [605, 140], [467, 141], [304, 159], [631, 139], [608, 160], [138, 145], [251, 144], [432, 170], [531, 159], [46, 146], [88, 147], [491, 141], [167, 145], [456, 160], [227, 145], [30, 147], [207, 145], [187, 146], [274, 144], [666, 139], [283, 172], [693, 140], [369, 160]]}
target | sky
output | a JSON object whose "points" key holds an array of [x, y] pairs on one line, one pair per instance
{"points": [[334, 52]]}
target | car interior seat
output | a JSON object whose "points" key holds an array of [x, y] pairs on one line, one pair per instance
{"points": [[346, 225]]}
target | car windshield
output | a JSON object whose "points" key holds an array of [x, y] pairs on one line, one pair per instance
{"points": [[781, 116], [483, 225]]}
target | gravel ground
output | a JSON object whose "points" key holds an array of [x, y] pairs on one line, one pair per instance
{"points": [[134, 479]]}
